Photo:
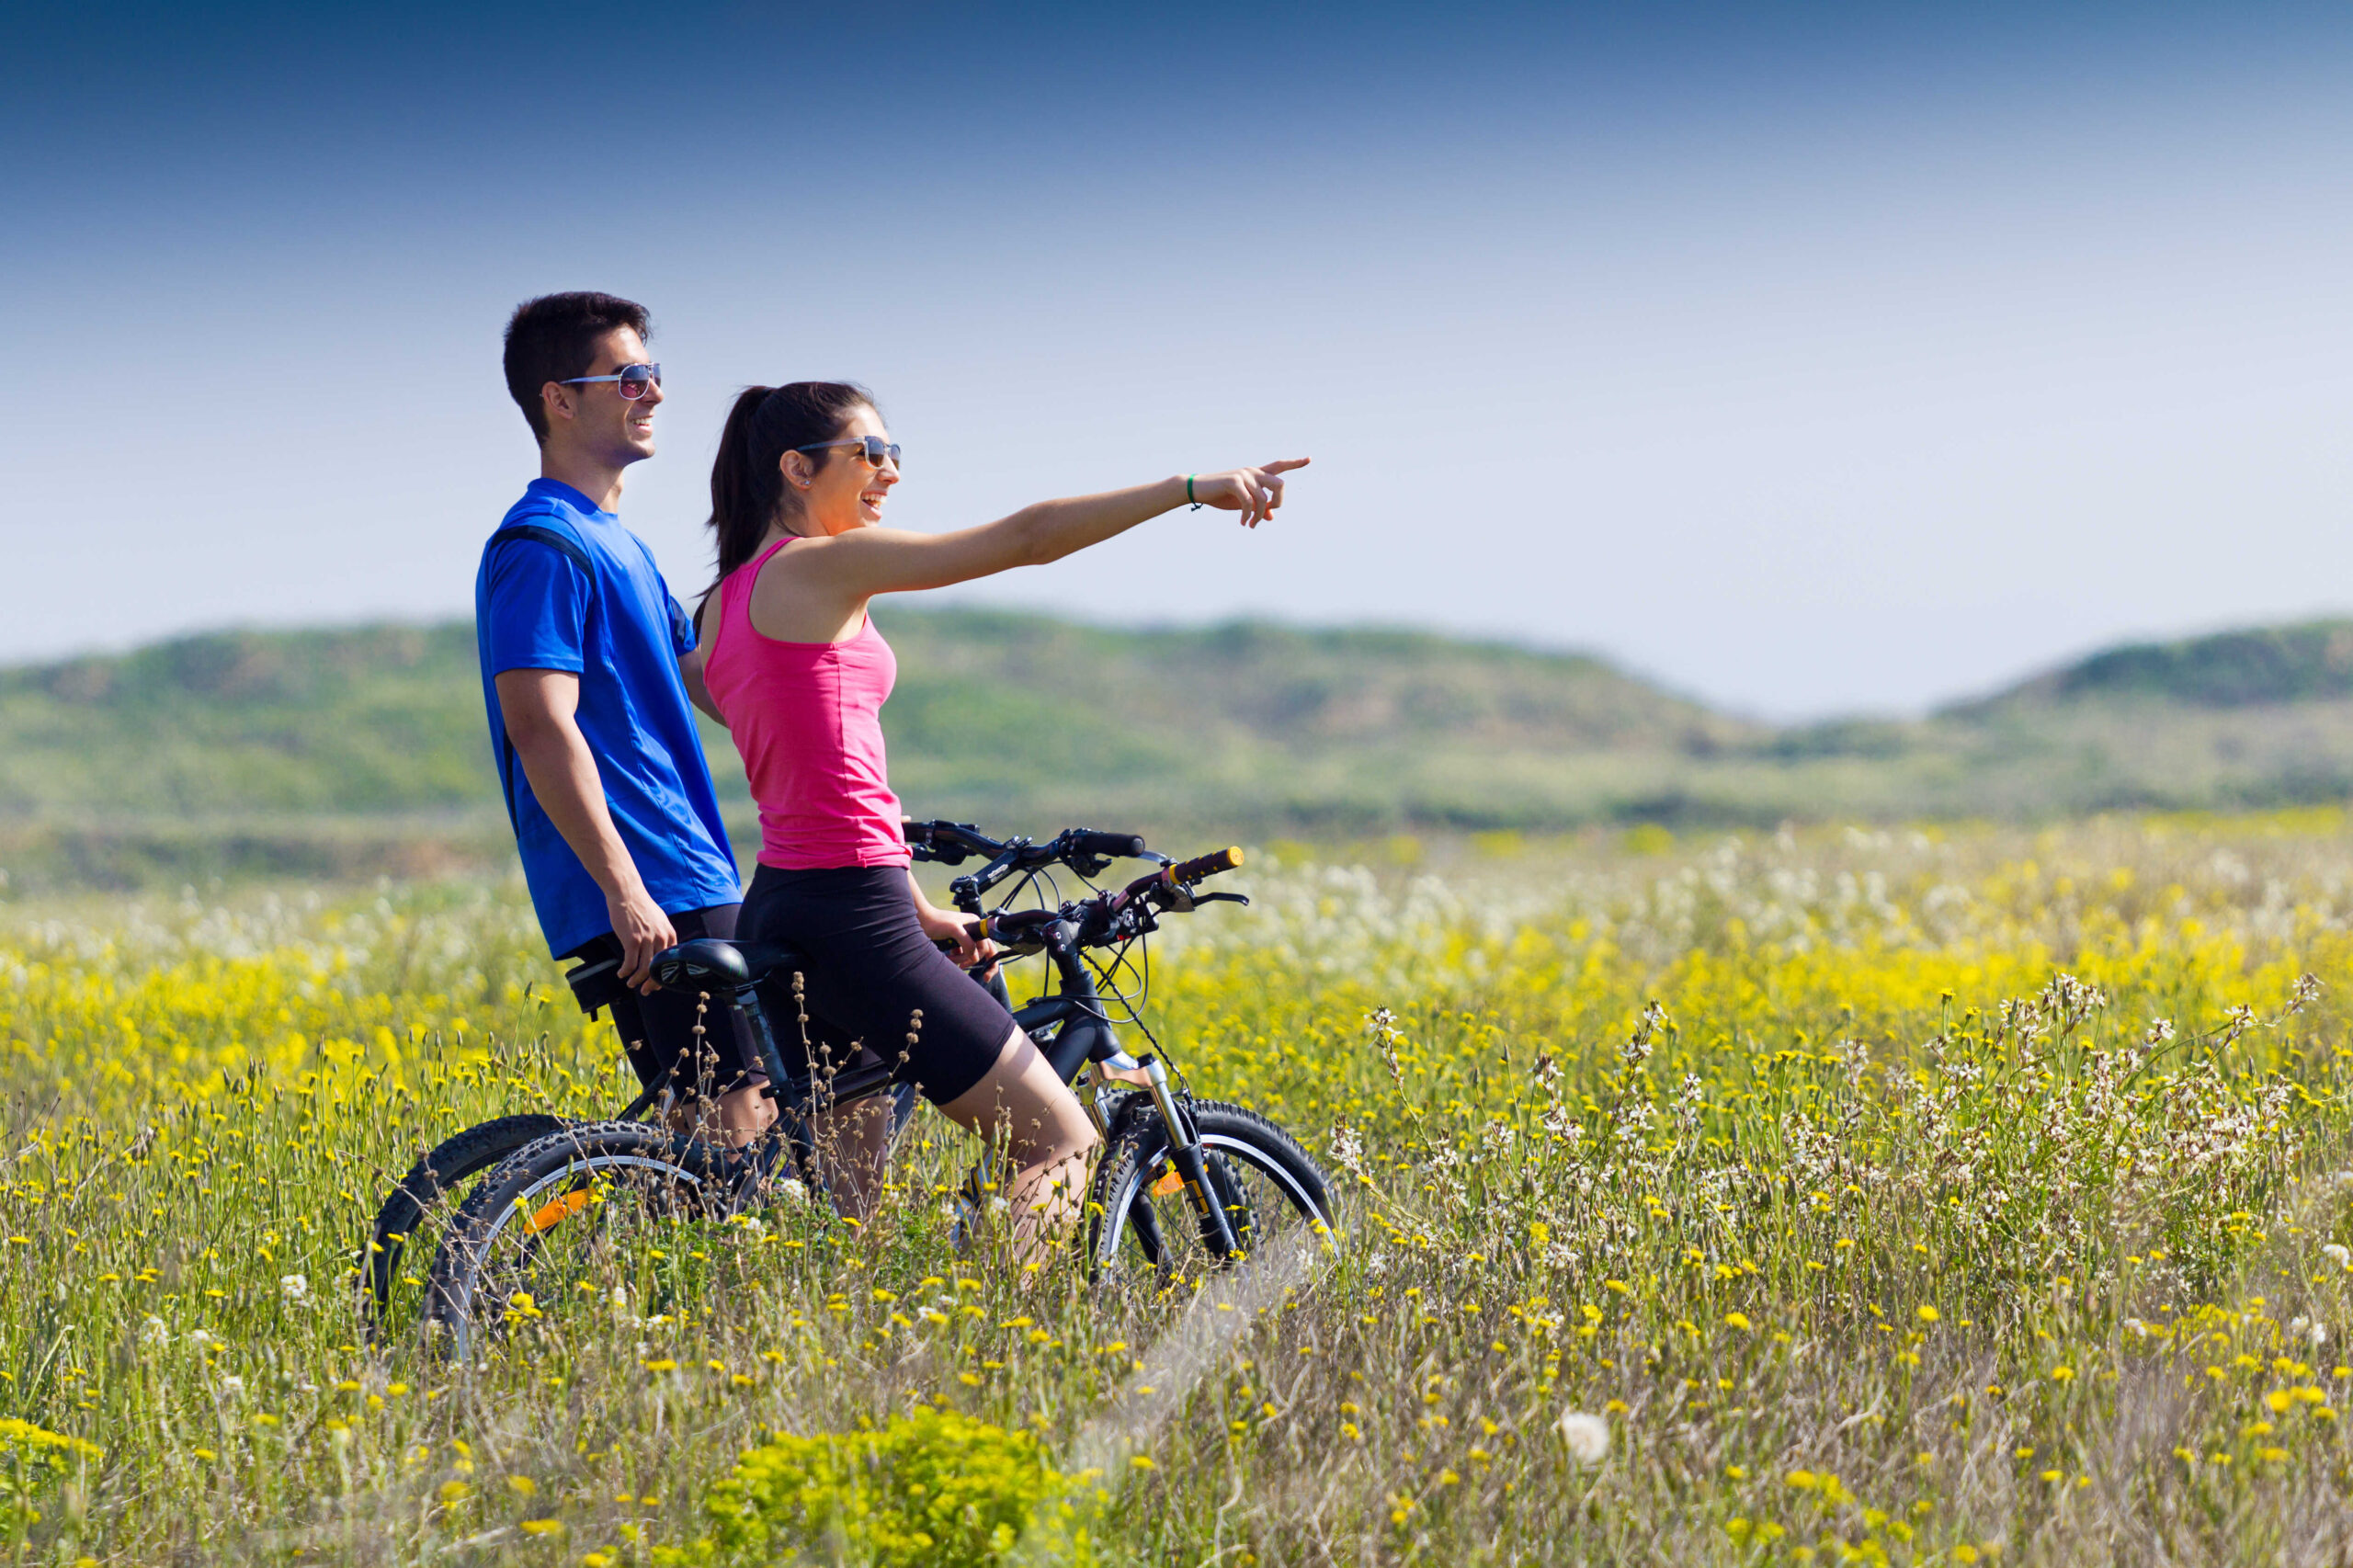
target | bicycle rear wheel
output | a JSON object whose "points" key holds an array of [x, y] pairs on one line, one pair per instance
{"points": [[433, 1187], [1142, 1227], [581, 1213]]}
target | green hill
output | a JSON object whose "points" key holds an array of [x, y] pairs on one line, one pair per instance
{"points": [[2264, 666], [365, 748], [358, 750]]}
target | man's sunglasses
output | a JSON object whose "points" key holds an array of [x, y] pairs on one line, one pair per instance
{"points": [[873, 449], [633, 380]]}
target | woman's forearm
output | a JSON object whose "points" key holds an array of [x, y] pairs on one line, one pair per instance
{"points": [[1047, 530]]}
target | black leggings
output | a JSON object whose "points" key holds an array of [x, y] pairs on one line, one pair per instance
{"points": [[870, 970]]}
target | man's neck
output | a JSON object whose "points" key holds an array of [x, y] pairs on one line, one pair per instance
{"points": [[596, 478]]}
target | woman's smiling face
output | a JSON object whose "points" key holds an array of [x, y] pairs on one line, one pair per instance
{"points": [[844, 491]]}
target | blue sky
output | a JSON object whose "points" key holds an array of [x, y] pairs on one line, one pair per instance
{"points": [[1811, 359]]}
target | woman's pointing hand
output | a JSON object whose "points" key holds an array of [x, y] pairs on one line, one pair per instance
{"points": [[1253, 492]]}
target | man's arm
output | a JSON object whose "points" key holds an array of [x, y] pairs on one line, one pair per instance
{"points": [[690, 661], [538, 706], [690, 672]]}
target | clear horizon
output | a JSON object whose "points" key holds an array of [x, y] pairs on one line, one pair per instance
{"points": [[1815, 364]]}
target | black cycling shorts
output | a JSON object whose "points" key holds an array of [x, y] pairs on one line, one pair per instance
{"points": [[870, 970], [658, 1030]]}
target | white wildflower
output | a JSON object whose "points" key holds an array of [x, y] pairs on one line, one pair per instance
{"points": [[294, 1287], [1348, 1149], [232, 1387], [152, 1332], [794, 1190], [1586, 1435], [2336, 1252], [2136, 1328]]}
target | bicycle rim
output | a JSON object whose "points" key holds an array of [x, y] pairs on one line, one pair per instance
{"points": [[590, 1233]]}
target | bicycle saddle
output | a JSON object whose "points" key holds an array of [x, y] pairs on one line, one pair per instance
{"points": [[711, 963]]}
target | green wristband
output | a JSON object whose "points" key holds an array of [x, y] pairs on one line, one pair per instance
{"points": [[1189, 492]]}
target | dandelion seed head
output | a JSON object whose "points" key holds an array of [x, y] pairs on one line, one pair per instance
{"points": [[1588, 1437]]}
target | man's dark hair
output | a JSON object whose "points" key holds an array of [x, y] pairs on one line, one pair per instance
{"points": [[554, 338]]}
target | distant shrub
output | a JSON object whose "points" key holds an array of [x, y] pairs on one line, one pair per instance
{"points": [[933, 1488]]}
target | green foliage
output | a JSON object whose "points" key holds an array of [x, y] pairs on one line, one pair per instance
{"points": [[369, 720], [31, 1460], [936, 1488], [363, 752], [2312, 662]]}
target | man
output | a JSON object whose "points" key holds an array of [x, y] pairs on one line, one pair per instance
{"points": [[586, 673]]}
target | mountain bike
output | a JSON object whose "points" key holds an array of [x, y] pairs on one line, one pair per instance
{"points": [[1182, 1184]]}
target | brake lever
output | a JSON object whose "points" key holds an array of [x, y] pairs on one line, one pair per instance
{"points": [[1201, 898]]}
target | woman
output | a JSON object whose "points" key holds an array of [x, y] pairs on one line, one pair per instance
{"points": [[793, 661]]}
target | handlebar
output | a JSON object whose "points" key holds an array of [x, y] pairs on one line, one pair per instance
{"points": [[1206, 866], [1086, 850], [1111, 846], [948, 843], [1106, 918]]}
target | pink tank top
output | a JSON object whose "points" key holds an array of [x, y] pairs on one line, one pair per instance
{"points": [[808, 719]]}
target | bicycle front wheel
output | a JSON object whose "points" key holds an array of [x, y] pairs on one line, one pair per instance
{"points": [[1142, 1226], [593, 1211]]}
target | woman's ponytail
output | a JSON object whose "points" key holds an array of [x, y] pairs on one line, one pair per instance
{"points": [[743, 491], [746, 479]]}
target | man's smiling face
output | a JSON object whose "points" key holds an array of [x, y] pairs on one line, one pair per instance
{"points": [[615, 428]]}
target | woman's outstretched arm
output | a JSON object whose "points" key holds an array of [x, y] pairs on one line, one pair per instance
{"points": [[854, 565]]}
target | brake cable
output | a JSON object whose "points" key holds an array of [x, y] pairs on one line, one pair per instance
{"points": [[1131, 1006]]}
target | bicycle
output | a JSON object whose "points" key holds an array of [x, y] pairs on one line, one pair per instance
{"points": [[1182, 1184]]}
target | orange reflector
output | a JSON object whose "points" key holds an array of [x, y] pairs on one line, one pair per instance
{"points": [[1169, 1186], [555, 1213]]}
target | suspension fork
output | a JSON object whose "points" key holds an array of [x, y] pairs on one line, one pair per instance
{"points": [[1192, 1163]]}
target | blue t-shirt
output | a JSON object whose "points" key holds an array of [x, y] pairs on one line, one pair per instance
{"points": [[565, 586]]}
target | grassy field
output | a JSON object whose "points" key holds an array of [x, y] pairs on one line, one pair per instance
{"points": [[1929, 1197]]}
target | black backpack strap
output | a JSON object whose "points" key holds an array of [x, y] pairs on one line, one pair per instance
{"points": [[562, 543], [572, 549]]}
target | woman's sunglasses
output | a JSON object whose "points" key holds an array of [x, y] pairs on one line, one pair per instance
{"points": [[633, 380], [873, 449]]}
